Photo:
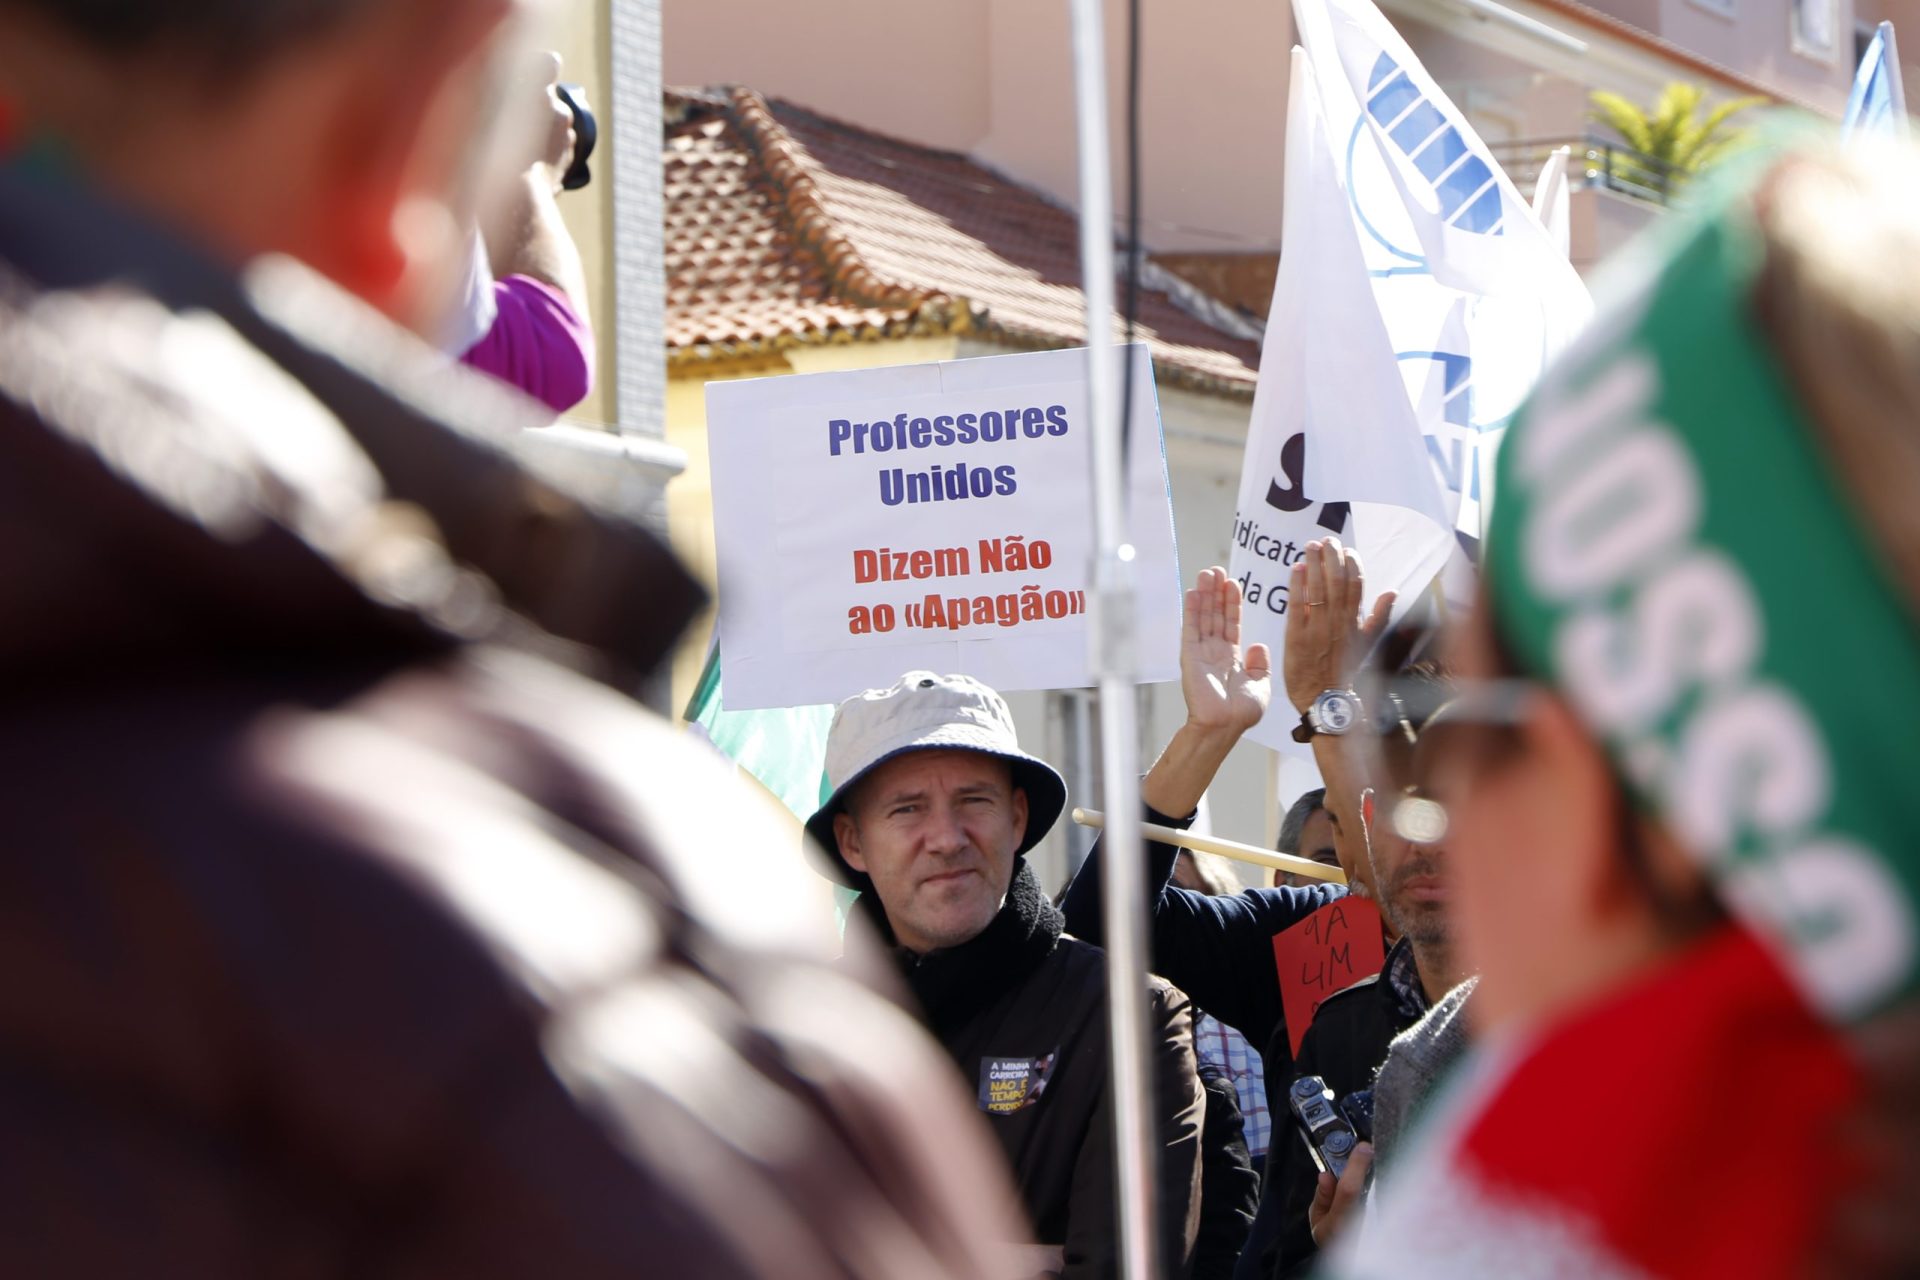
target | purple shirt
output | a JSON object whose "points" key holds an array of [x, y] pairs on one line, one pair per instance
{"points": [[538, 343]]}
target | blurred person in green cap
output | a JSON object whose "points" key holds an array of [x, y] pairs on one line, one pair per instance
{"points": [[1678, 773]]}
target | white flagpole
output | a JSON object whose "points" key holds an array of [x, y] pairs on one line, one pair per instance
{"points": [[1124, 904], [1225, 848]]}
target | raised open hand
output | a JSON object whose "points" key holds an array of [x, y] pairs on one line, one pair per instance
{"points": [[1326, 634], [1225, 690]]}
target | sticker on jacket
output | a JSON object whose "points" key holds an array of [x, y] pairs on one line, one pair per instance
{"points": [[1008, 1084]]}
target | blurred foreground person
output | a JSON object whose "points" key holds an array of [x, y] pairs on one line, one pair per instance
{"points": [[1684, 823], [342, 934], [934, 807]]}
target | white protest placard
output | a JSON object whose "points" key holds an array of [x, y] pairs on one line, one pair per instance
{"points": [[935, 516]]}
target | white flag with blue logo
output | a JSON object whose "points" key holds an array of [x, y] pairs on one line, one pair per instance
{"points": [[1327, 366], [1878, 103], [1475, 294]]}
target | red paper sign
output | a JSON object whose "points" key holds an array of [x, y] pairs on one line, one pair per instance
{"points": [[1331, 949]]}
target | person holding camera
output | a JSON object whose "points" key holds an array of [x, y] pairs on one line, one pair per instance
{"points": [[525, 318]]}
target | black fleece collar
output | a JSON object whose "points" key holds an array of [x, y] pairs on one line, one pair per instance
{"points": [[954, 984]]}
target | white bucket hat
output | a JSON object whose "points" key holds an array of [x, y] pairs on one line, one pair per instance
{"points": [[925, 712]]}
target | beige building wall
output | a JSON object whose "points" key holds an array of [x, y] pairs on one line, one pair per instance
{"points": [[1757, 38], [994, 78], [915, 70], [1213, 114]]}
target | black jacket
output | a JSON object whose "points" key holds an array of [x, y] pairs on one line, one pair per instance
{"points": [[1022, 1011], [1219, 950], [1229, 1188], [1347, 1042]]}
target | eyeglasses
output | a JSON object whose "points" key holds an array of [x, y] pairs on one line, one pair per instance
{"points": [[1419, 725]]}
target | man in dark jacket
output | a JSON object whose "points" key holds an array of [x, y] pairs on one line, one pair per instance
{"points": [[1229, 1185], [1353, 1029], [934, 806], [341, 934]]}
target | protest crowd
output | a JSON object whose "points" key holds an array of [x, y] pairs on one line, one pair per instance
{"points": [[356, 921]]}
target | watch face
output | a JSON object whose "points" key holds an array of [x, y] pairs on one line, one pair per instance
{"points": [[1335, 711]]}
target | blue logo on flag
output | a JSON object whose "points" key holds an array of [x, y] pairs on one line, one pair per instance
{"points": [[1469, 193], [1457, 457]]}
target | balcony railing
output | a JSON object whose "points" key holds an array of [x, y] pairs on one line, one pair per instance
{"points": [[1594, 162]]}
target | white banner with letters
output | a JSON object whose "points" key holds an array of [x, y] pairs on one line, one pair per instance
{"points": [[934, 516], [1327, 368], [1417, 301], [1475, 294]]}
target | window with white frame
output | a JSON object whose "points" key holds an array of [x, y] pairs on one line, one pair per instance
{"points": [[1816, 26]]}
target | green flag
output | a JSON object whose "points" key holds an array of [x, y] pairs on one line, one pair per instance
{"points": [[784, 749]]}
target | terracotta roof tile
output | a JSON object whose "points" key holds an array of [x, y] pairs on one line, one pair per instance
{"points": [[784, 227]]}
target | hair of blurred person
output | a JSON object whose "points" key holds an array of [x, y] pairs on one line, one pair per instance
{"points": [[1207, 873], [1842, 311], [243, 75], [1293, 828], [1684, 850], [339, 132]]}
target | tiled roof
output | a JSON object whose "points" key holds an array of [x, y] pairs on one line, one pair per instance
{"points": [[783, 228]]}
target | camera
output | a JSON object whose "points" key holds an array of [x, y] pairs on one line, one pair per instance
{"points": [[1331, 1129], [586, 132]]}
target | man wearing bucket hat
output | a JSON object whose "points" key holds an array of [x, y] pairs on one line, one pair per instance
{"points": [[934, 806], [1684, 823]]}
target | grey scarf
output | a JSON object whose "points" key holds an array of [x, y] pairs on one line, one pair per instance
{"points": [[1418, 1060]]}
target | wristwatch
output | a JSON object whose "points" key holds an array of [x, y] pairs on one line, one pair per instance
{"points": [[1333, 713]]}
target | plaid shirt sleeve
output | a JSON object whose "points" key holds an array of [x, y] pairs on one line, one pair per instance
{"points": [[1227, 1049]]}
